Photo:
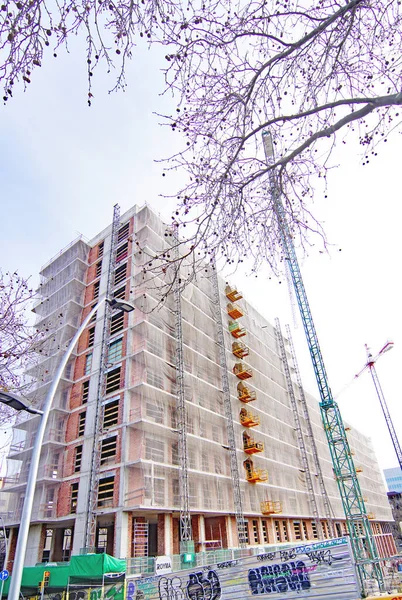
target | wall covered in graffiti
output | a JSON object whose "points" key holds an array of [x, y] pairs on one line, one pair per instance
{"points": [[310, 571]]}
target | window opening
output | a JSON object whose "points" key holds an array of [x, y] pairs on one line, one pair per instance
{"points": [[256, 535], [297, 530], [113, 380], [91, 336], [93, 318], [88, 364], [98, 268], [78, 458], [100, 249], [115, 351], [265, 532], [105, 491], [120, 293], [108, 450], [154, 450], [314, 530], [67, 543], [111, 414], [155, 412], [95, 295], [81, 423], [304, 524], [122, 252], [85, 391], [102, 539], [117, 323], [123, 232], [47, 545], [73, 498], [120, 274], [277, 531]]}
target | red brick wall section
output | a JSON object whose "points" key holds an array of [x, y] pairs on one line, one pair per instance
{"points": [[161, 535], [79, 366], [72, 427], [12, 544], [215, 529], [68, 461], [176, 529], [75, 395], [64, 498]]}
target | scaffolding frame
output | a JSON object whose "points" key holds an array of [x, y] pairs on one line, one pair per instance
{"points": [[306, 414], [91, 513]]}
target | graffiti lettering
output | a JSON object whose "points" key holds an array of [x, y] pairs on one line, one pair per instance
{"points": [[321, 556], [170, 589], [279, 578], [287, 554], [227, 565], [268, 556], [203, 586], [130, 590]]}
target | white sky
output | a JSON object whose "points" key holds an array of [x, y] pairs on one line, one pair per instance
{"points": [[63, 166]]}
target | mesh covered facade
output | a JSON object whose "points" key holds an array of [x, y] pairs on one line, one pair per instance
{"points": [[139, 493]]}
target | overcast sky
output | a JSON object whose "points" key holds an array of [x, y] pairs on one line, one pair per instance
{"points": [[63, 166]]}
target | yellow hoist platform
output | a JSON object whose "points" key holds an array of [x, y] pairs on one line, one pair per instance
{"points": [[252, 447], [232, 294], [271, 507], [236, 330], [245, 394], [247, 419], [240, 350], [254, 475], [234, 311], [242, 371]]}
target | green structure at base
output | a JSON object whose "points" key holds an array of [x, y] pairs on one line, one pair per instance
{"points": [[90, 570]]}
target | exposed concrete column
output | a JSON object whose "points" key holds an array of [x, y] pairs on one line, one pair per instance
{"points": [[121, 541]]}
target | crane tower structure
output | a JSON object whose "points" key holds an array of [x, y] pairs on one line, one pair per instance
{"points": [[371, 360], [359, 528]]}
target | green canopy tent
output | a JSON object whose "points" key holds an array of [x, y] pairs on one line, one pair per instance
{"points": [[86, 571]]}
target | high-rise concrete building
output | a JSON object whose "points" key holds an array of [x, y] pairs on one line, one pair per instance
{"points": [[393, 477], [190, 417]]}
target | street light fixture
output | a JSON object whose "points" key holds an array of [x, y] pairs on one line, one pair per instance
{"points": [[18, 404]]}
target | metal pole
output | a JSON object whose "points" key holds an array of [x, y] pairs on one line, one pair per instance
{"points": [[5, 554], [20, 550]]}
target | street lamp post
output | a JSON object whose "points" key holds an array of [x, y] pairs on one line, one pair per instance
{"points": [[13, 401]]}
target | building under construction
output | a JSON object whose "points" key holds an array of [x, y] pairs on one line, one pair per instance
{"points": [[176, 424]]}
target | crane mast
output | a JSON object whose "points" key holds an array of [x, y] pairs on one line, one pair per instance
{"points": [[361, 537], [371, 365]]}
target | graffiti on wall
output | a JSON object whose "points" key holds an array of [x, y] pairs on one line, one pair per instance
{"points": [[300, 572]]}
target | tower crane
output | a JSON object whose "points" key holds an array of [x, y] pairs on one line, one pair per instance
{"points": [[370, 364], [359, 528]]}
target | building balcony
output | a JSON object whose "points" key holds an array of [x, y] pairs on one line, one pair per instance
{"points": [[245, 394], [271, 507], [234, 311], [233, 294], [248, 419], [236, 330], [240, 350]]}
